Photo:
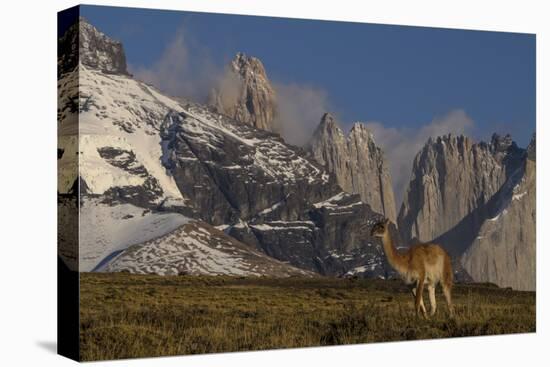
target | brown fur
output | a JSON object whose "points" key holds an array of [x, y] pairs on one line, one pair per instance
{"points": [[422, 265]]}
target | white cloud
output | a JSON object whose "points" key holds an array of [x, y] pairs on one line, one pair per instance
{"points": [[184, 69], [400, 145], [227, 90], [299, 111]]}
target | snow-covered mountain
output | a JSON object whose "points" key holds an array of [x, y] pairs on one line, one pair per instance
{"points": [[143, 168], [198, 248], [113, 122], [106, 229]]}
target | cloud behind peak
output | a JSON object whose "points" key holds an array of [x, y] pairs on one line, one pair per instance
{"points": [[400, 145]]}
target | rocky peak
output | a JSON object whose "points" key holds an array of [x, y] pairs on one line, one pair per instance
{"points": [[442, 146], [532, 148], [453, 142], [328, 127], [100, 51], [328, 146], [448, 165], [356, 161], [502, 143], [328, 121], [248, 65], [85, 43], [360, 133], [360, 128], [246, 94], [360, 140]]}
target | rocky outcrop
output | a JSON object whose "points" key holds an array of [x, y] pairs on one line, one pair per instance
{"points": [[268, 194], [358, 164], [504, 252], [478, 201], [84, 43], [234, 172], [245, 93], [452, 183]]}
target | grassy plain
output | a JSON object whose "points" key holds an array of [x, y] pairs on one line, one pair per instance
{"points": [[126, 316]]}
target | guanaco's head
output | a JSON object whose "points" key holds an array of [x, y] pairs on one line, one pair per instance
{"points": [[380, 228]]}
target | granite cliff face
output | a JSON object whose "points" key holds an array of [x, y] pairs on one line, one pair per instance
{"points": [[246, 94], [94, 49], [357, 163], [452, 182], [504, 252], [478, 201], [268, 194]]}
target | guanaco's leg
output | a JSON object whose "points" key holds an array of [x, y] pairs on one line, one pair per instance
{"points": [[433, 304], [422, 307], [419, 302], [447, 293]]}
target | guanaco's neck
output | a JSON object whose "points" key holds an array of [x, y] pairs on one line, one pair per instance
{"points": [[396, 260]]}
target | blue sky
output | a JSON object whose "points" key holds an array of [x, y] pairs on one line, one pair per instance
{"points": [[403, 78], [394, 74]]}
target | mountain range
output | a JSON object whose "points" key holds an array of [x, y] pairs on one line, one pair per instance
{"points": [[167, 185]]}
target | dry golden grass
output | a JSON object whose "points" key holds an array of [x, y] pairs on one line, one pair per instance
{"points": [[125, 316]]}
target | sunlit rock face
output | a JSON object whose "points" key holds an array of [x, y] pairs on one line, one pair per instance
{"points": [[504, 252], [356, 161], [478, 201], [246, 94]]}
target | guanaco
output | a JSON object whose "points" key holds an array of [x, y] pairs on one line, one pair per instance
{"points": [[424, 264]]}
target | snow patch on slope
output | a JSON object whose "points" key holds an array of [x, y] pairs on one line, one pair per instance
{"points": [[284, 225], [106, 229], [331, 202], [197, 248], [115, 111], [98, 175]]}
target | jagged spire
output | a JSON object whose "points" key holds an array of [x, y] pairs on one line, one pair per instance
{"points": [[246, 94], [243, 64], [360, 130], [356, 161], [328, 122]]}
